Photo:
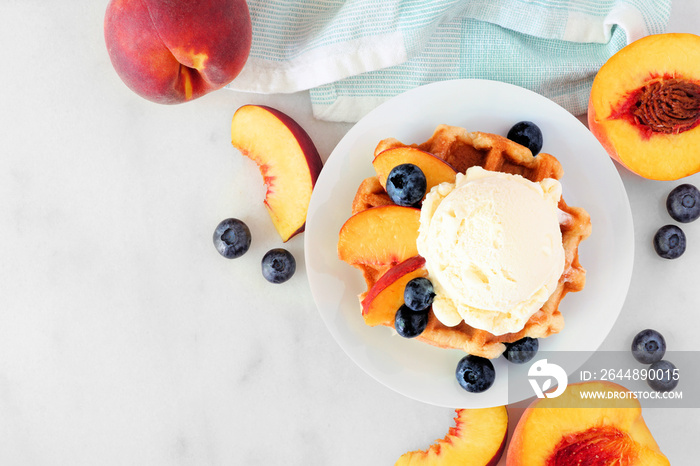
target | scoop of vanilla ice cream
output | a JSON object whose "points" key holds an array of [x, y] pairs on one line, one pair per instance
{"points": [[493, 248]]}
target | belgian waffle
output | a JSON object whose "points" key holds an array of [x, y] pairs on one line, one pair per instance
{"points": [[462, 149]]}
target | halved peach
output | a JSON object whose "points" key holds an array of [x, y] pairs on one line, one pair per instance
{"points": [[644, 106], [477, 439], [604, 426], [385, 297], [287, 159], [435, 169], [380, 236]]}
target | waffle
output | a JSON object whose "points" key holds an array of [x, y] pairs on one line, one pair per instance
{"points": [[463, 149]]}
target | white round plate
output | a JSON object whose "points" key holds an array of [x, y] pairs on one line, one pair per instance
{"points": [[590, 180]]}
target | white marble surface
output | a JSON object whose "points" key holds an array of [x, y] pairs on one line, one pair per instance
{"points": [[126, 340]]}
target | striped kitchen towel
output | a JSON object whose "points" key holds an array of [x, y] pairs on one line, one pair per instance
{"points": [[353, 55]]}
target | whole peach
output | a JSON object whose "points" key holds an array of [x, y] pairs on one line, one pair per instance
{"points": [[172, 51]]}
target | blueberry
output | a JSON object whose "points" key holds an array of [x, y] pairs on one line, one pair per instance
{"points": [[409, 323], [232, 238], [683, 203], [521, 351], [662, 376], [527, 134], [278, 265], [669, 242], [648, 346], [418, 294], [475, 374], [406, 184]]}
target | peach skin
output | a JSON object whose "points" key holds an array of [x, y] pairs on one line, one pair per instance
{"points": [[174, 51]]}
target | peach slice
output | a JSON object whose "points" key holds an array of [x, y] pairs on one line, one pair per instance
{"points": [[380, 236], [573, 429], [644, 106], [287, 159], [435, 169], [477, 439], [385, 297]]}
